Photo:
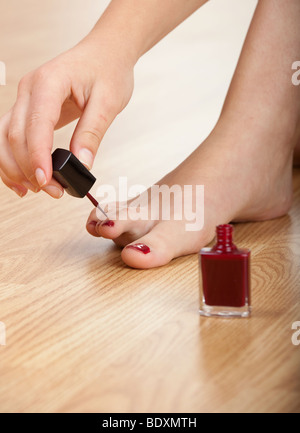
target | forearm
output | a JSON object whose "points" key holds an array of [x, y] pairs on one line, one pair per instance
{"points": [[135, 26]]}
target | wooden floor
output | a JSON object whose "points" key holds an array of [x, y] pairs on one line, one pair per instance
{"points": [[83, 331]]}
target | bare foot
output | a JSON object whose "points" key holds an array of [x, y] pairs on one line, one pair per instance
{"points": [[246, 163], [242, 183]]}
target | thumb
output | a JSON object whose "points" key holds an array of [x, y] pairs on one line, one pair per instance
{"points": [[90, 129]]}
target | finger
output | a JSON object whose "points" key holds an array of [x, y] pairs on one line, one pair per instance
{"points": [[54, 189], [90, 129], [43, 114], [8, 163], [17, 138], [20, 190], [69, 112]]}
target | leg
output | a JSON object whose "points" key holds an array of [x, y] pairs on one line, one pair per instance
{"points": [[246, 162]]}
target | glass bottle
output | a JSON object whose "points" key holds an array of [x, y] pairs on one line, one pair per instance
{"points": [[225, 282]]}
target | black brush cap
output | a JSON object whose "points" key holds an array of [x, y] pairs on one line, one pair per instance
{"points": [[73, 176]]}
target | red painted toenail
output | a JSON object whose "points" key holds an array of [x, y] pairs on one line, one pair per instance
{"points": [[108, 223], [93, 223], [139, 247]]}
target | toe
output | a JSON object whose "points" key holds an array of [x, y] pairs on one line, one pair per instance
{"points": [[92, 223], [156, 248], [91, 228], [149, 251], [121, 230], [166, 240]]}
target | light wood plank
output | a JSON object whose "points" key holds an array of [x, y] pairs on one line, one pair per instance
{"points": [[85, 332]]}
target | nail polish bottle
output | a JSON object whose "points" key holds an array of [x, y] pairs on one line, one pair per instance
{"points": [[73, 176], [76, 179], [225, 282]]}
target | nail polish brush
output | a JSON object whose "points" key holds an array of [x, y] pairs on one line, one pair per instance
{"points": [[73, 176]]}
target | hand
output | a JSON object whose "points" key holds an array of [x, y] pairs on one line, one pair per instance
{"points": [[90, 81]]}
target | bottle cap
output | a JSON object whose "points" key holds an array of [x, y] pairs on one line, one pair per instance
{"points": [[73, 176]]}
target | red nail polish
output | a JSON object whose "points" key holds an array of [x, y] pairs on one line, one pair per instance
{"points": [[139, 247], [108, 223], [93, 223], [225, 270]]}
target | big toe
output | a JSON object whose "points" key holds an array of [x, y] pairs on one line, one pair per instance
{"points": [[163, 243]]}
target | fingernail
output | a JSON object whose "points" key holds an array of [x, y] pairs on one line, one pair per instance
{"points": [[18, 191], [40, 177], [29, 185], [139, 247], [53, 191], [86, 157], [108, 223]]}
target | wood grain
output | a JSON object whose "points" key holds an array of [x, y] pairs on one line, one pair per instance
{"points": [[85, 332]]}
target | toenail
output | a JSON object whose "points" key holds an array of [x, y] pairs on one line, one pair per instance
{"points": [[139, 247], [108, 223], [93, 223]]}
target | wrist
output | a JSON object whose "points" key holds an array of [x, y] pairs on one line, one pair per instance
{"points": [[111, 34]]}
